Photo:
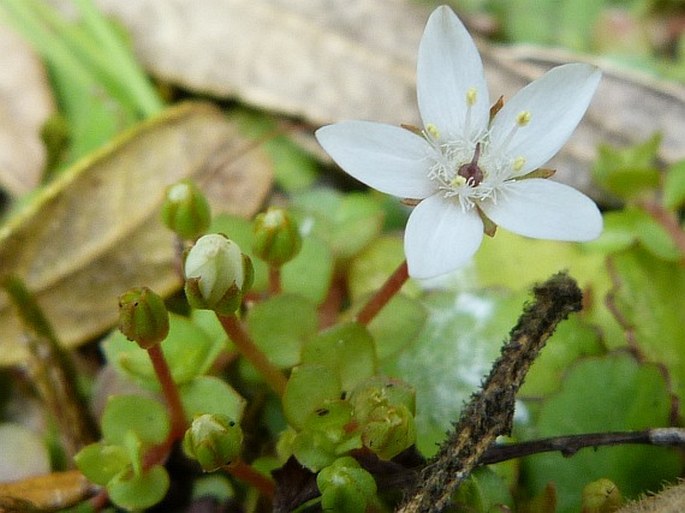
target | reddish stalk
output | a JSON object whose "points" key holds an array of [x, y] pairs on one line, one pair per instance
{"points": [[274, 280], [242, 341], [247, 474], [170, 391], [385, 293]]}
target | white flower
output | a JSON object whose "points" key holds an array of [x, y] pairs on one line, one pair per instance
{"points": [[465, 167]]}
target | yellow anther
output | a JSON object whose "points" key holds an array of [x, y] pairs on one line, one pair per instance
{"points": [[433, 131], [519, 162], [523, 118], [471, 96], [457, 181]]}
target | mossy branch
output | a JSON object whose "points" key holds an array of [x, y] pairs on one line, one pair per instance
{"points": [[490, 411]]}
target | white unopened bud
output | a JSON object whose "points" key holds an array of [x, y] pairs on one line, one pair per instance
{"points": [[217, 274]]}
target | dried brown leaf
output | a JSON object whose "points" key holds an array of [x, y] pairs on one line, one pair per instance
{"points": [[25, 104], [327, 61], [96, 231], [48, 492]]}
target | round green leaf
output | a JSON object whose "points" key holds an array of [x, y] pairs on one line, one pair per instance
{"points": [[309, 274], [100, 462], [370, 269], [280, 326], [208, 394], [397, 324], [650, 296], [674, 186], [348, 349], [347, 222], [309, 387], [137, 492], [145, 417], [610, 393], [188, 350], [572, 339]]}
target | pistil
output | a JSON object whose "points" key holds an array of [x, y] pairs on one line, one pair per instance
{"points": [[471, 171]]}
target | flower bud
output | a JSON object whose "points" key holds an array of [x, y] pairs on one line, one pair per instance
{"points": [[217, 274], [277, 239], [143, 317], [601, 496], [389, 430], [346, 487], [213, 440], [185, 210]]}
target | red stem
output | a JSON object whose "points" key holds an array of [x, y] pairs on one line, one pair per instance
{"points": [[247, 474], [274, 280], [385, 293], [242, 341], [170, 391]]}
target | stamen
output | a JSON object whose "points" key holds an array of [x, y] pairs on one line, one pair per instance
{"points": [[523, 118], [471, 96], [433, 131], [519, 162]]}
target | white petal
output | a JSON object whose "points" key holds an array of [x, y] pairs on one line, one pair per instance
{"points": [[440, 237], [544, 209], [388, 158], [448, 67], [556, 102]]}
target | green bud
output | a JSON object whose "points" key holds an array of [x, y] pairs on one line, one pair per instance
{"points": [[389, 430], [277, 239], [185, 210], [217, 274], [213, 440], [382, 391], [346, 487], [601, 496], [328, 432], [143, 317]]}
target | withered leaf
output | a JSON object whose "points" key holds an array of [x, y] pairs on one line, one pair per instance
{"points": [[327, 61], [48, 492], [96, 232]]}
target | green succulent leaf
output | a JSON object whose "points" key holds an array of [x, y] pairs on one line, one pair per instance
{"points": [[137, 492], [281, 325], [600, 394], [208, 394], [309, 387], [143, 416], [626, 227], [348, 349], [649, 294], [100, 462], [629, 172], [674, 186], [188, 350], [347, 222]]}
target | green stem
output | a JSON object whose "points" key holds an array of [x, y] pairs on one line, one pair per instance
{"points": [[242, 341], [391, 287], [170, 391]]}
